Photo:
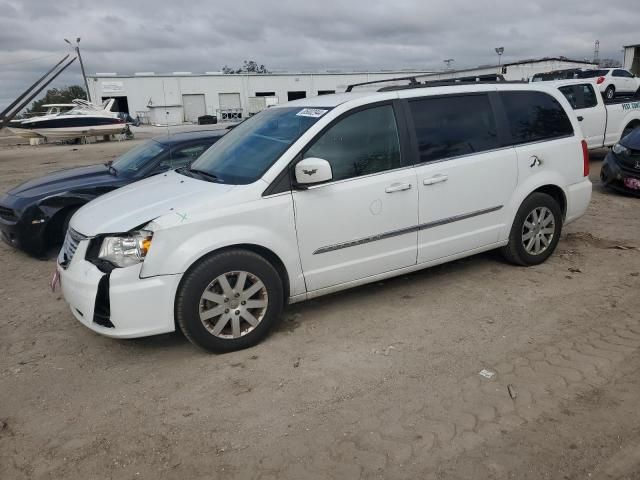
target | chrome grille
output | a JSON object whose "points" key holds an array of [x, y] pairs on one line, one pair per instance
{"points": [[69, 247]]}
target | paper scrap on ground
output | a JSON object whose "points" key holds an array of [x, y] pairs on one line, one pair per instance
{"points": [[487, 373]]}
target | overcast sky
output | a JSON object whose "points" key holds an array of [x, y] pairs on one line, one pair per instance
{"points": [[197, 36]]}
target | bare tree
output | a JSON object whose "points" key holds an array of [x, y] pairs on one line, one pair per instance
{"points": [[610, 63], [249, 66]]}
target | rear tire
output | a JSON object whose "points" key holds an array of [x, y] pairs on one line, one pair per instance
{"points": [[229, 301], [610, 92], [535, 231]]}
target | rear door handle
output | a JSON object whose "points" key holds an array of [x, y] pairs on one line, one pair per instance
{"points": [[580, 118], [435, 179], [397, 187]]}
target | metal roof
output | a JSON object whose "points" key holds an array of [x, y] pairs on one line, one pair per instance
{"points": [[267, 75], [180, 137]]}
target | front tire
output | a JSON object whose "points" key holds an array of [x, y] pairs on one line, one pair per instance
{"points": [[535, 231], [229, 301]]}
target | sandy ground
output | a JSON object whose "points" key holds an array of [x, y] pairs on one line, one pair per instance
{"points": [[377, 382]]}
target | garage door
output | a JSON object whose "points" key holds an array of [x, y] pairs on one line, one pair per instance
{"points": [[230, 106], [194, 107], [229, 101]]}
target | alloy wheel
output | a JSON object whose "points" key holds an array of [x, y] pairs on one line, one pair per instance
{"points": [[538, 230], [233, 304]]}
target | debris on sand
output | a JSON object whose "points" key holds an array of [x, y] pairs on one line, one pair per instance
{"points": [[487, 373]]}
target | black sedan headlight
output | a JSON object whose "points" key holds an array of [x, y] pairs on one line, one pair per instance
{"points": [[619, 149]]}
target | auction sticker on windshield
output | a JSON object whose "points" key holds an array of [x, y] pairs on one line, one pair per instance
{"points": [[311, 112]]}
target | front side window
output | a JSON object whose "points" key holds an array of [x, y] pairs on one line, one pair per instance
{"points": [[183, 156], [139, 158], [363, 143], [618, 73], [535, 116], [454, 125], [244, 154], [589, 95]]}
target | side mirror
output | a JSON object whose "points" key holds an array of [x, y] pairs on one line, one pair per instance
{"points": [[311, 171]]}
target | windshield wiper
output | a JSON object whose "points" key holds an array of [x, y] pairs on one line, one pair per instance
{"points": [[111, 168], [202, 173]]}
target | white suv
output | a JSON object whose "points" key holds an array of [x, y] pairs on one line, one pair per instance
{"points": [[613, 81], [324, 194]]}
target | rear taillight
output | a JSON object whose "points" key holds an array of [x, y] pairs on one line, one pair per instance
{"points": [[600, 80], [585, 159]]}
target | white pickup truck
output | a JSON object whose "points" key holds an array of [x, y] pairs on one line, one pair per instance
{"points": [[603, 124]]}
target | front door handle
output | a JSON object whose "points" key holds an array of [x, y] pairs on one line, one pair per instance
{"points": [[398, 187], [580, 118], [435, 179]]}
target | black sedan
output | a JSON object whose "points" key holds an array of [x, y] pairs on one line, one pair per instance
{"points": [[621, 167], [34, 216]]}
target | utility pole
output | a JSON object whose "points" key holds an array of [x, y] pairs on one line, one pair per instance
{"points": [[449, 61], [84, 75]]}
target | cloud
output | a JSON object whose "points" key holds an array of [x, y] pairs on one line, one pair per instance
{"points": [[200, 35]]}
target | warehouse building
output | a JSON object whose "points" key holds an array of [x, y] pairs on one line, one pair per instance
{"points": [[632, 58], [183, 96]]}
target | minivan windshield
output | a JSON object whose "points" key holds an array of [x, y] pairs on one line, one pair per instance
{"points": [[245, 153]]}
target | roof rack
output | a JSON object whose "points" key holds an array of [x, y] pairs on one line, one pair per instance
{"points": [[414, 83]]}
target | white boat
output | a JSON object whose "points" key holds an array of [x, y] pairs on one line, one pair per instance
{"points": [[52, 109], [84, 120]]}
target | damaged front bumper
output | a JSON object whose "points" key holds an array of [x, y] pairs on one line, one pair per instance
{"points": [[118, 304], [621, 176]]}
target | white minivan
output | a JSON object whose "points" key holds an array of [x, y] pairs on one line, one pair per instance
{"points": [[323, 194]]}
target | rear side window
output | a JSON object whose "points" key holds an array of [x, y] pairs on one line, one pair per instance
{"points": [[570, 94], [589, 95], [452, 126], [592, 73], [580, 96], [535, 116]]}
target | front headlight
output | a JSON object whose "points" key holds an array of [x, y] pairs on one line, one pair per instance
{"points": [[620, 149], [126, 250]]}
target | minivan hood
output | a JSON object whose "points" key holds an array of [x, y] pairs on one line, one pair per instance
{"points": [[64, 180], [140, 202]]}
